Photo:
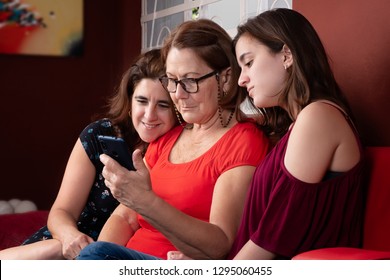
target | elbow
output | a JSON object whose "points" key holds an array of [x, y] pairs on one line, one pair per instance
{"points": [[222, 253], [219, 250], [221, 246], [215, 255]]}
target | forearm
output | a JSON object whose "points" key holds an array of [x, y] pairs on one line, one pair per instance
{"points": [[195, 238], [116, 230], [44, 250], [61, 223]]}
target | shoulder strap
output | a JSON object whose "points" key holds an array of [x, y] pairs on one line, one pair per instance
{"points": [[349, 120]]}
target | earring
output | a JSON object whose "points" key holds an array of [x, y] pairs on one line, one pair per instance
{"points": [[285, 66], [129, 113], [220, 109]]}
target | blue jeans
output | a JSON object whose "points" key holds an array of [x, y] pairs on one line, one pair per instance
{"points": [[102, 250]]}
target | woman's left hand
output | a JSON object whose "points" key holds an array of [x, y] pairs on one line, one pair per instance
{"points": [[131, 188]]}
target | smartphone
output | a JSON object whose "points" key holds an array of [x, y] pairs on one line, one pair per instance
{"points": [[116, 148]]}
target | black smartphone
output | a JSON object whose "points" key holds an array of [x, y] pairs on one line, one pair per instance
{"points": [[116, 148]]}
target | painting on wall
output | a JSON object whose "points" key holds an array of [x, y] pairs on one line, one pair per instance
{"points": [[41, 27]]}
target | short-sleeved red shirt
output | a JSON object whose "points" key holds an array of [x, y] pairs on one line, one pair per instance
{"points": [[189, 186]]}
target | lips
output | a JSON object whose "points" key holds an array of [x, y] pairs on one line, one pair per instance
{"points": [[186, 108], [249, 91], [150, 126]]}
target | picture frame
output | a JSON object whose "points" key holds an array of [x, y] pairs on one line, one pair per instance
{"points": [[42, 27]]}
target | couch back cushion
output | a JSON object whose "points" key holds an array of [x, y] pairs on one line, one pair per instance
{"points": [[377, 215]]}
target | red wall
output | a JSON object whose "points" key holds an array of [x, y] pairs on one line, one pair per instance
{"points": [[47, 101], [356, 34]]}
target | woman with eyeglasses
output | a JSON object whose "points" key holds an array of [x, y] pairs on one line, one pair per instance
{"points": [[308, 193], [199, 171]]}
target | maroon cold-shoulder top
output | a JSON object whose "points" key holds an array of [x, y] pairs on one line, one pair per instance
{"points": [[287, 216]]}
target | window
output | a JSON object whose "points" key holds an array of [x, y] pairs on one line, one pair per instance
{"points": [[159, 17]]}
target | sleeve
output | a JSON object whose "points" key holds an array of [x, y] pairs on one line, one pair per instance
{"points": [[248, 145], [287, 218], [302, 216], [88, 138]]}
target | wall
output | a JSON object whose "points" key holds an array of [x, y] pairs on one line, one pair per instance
{"points": [[356, 34], [47, 101]]}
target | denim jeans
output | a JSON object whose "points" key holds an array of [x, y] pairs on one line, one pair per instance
{"points": [[102, 250]]}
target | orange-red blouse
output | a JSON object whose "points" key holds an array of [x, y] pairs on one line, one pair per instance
{"points": [[189, 186]]}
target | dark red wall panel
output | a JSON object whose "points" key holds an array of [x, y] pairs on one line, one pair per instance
{"points": [[356, 34], [47, 101]]}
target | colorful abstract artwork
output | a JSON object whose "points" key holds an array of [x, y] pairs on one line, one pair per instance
{"points": [[41, 27]]}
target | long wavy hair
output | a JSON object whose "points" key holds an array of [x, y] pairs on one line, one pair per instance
{"points": [[146, 66], [310, 76]]}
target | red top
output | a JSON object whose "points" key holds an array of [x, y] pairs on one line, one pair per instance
{"points": [[286, 216], [189, 186]]}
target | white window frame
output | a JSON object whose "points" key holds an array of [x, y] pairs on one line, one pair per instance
{"points": [[187, 6]]}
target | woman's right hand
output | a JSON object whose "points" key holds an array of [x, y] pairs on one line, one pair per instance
{"points": [[118, 179]]}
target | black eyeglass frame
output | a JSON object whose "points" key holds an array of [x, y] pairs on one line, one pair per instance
{"points": [[164, 81]]}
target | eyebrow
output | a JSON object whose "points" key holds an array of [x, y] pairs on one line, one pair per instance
{"points": [[140, 97], [242, 57], [185, 75], [165, 102]]}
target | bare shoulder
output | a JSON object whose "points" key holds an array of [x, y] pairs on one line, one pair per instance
{"points": [[319, 134], [321, 114], [319, 121]]}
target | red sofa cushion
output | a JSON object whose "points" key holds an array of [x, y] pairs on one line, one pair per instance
{"points": [[376, 239], [343, 253], [15, 228], [377, 215]]}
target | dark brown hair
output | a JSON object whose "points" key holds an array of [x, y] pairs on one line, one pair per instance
{"points": [[310, 76], [146, 66]]}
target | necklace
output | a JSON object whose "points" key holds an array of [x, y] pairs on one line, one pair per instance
{"points": [[221, 119]]}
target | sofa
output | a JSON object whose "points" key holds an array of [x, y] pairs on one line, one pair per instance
{"points": [[15, 228], [376, 230]]}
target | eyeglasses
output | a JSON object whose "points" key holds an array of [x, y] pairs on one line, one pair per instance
{"points": [[190, 85]]}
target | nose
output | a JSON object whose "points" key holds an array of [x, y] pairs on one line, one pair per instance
{"points": [[151, 113], [180, 92], [243, 79]]}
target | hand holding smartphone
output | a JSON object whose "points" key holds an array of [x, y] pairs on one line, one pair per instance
{"points": [[116, 148]]}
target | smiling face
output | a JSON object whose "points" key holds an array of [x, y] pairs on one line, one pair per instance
{"points": [[151, 110], [262, 72], [199, 107]]}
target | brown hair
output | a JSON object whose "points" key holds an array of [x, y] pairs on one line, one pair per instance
{"points": [[214, 46], [310, 76], [146, 66]]}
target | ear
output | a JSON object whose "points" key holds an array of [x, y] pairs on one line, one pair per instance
{"points": [[288, 58], [226, 76]]}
